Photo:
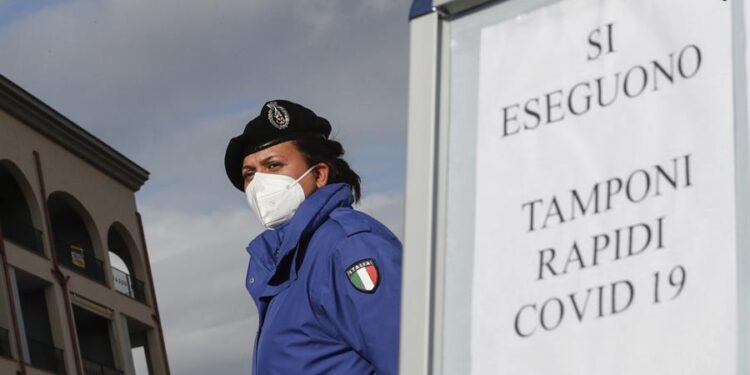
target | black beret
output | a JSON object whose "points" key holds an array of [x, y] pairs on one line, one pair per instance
{"points": [[278, 121]]}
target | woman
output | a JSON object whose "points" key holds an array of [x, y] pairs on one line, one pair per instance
{"points": [[326, 278]]}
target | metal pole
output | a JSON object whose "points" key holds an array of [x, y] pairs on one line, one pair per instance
{"points": [[59, 276], [12, 301]]}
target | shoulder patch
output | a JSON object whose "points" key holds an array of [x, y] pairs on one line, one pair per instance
{"points": [[350, 221], [364, 276]]}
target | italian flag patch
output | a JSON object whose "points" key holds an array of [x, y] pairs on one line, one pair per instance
{"points": [[364, 275]]}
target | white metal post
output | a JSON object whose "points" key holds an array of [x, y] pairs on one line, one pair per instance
{"points": [[416, 301]]}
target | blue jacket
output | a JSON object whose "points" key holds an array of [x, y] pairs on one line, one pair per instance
{"points": [[327, 285]]}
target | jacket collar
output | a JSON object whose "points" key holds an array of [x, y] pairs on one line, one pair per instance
{"points": [[273, 244]]}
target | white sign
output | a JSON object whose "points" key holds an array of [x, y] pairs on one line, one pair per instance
{"points": [[605, 231]]}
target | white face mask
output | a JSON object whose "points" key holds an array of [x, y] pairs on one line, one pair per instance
{"points": [[274, 198]]}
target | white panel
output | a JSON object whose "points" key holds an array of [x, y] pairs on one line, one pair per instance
{"points": [[684, 123], [416, 304], [458, 255], [740, 18], [604, 230]]}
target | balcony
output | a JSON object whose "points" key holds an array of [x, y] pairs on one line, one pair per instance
{"points": [[128, 285], [22, 234], [80, 260], [93, 368], [46, 356]]}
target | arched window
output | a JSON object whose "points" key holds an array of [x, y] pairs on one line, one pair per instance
{"points": [[18, 209], [72, 229], [127, 271]]}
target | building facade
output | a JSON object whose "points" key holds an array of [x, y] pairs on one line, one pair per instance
{"points": [[76, 291]]}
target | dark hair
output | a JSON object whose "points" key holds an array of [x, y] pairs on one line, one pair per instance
{"points": [[320, 150]]}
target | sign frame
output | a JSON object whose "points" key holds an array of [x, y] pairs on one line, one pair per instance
{"points": [[423, 314]]}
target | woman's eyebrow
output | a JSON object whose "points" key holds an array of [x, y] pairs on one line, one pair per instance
{"points": [[263, 161], [268, 159]]}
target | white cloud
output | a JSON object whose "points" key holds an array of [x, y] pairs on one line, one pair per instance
{"points": [[176, 233], [140, 59], [225, 349], [325, 14], [382, 5], [319, 14], [199, 264], [388, 208], [141, 75]]}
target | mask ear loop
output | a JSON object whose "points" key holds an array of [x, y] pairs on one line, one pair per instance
{"points": [[300, 177]]}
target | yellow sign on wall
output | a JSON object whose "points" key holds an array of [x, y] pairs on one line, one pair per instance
{"points": [[76, 255]]}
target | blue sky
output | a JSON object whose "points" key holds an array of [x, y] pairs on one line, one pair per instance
{"points": [[168, 83]]}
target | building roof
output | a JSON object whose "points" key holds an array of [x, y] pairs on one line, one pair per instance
{"points": [[61, 130]]}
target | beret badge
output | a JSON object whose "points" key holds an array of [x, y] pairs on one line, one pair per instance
{"points": [[277, 115]]}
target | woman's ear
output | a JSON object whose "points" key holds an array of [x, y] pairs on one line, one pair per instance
{"points": [[321, 174]]}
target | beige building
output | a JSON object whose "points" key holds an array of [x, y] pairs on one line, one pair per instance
{"points": [[76, 292]]}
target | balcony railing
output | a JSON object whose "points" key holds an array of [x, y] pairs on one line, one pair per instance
{"points": [[139, 290], [5, 343], [94, 368], [46, 356], [25, 235], [128, 285], [80, 260]]}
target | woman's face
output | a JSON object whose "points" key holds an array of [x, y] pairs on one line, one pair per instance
{"points": [[284, 158]]}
